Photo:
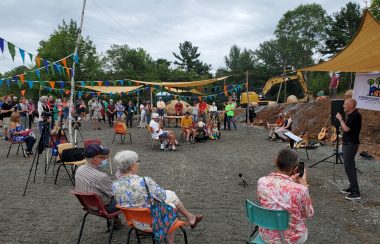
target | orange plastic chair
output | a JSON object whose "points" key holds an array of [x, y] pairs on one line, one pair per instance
{"points": [[142, 215], [122, 130], [92, 204], [91, 141]]}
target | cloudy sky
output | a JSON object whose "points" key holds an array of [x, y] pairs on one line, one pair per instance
{"points": [[157, 26]]}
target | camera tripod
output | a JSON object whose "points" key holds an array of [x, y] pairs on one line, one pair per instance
{"points": [[43, 142]]}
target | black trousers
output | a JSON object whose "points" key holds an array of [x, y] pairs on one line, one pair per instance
{"points": [[129, 120], [31, 119], [349, 152], [111, 119]]}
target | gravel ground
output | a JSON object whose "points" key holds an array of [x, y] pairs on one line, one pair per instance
{"points": [[205, 177]]}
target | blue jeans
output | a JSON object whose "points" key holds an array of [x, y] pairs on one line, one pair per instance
{"points": [[111, 206], [229, 120]]}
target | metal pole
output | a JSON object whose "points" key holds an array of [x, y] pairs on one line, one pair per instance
{"points": [[73, 73], [247, 89]]}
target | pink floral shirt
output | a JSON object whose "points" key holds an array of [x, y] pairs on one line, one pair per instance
{"points": [[279, 191]]}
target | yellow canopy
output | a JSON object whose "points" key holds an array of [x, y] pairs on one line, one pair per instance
{"points": [[181, 84], [113, 89], [362, 54], [194, 91]]}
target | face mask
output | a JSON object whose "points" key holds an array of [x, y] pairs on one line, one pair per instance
{"points": [[103, 164]]}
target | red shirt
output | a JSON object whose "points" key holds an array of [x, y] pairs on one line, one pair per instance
{"points": [[178, 108], [334, 82], [202, 107]]}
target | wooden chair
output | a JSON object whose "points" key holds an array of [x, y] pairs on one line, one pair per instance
{"points": [[142, 215], [92, 204], [122, 130]]}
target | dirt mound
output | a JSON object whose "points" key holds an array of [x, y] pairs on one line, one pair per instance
{"points": [[313, 116]]}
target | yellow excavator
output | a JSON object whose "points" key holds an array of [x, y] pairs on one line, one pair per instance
{"points": [[254, 97]]}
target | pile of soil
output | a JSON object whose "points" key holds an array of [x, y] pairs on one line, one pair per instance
{"points": [[315, 115]]}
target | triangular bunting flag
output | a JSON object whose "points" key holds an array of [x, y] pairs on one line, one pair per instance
{"points": [[8, 82], [62, 84], [98, 93], [100, 83], [76, 58], [12, 50], [114, 82], [22, 92], [1, 45], [22, 54], [80, 93], [38, 73], [46, 64], [31, 57], [92, 83], [52, 69], [42, 83], [68, 72], [22, 78], [1, 82], [107, 83], [52, 84], [38, 61], [64, 62], [121, 82], [30, 83], [82, 83], [19, 83]]}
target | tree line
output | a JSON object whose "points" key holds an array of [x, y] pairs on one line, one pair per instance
{"points": [[303, 36]]}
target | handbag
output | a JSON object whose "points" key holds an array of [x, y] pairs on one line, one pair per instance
{"points": [[163, 216]]}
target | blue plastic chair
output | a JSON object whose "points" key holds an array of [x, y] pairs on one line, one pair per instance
{"points": [[266, 218]]}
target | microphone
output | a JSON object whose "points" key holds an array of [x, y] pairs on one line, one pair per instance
{"points": [[243, 182]]}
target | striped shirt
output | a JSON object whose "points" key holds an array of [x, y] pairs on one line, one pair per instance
{"points": [[89, 179]]}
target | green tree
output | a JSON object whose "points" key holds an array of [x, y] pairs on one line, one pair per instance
{"points": [[187, 57], [374, 8], [125, 62], [239, 61], [61, 43], [301, 31], [342, 28]]}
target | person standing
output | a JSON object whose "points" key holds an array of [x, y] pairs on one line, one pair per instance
{"points": [[160, 107], [230, 111], [31, 112], [22, 109], [6, 112], [111, 113], [195, 112], [129, 112], [148, 111], [90, 110], [96, 107], [119, 110], [351, 127], [334, 82], [251, 115], [142, 115], [203, 110], [105, 108], [178, 110]]}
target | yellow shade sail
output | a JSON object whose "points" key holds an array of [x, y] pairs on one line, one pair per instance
{"points": [[113, 89], [362, 54], [176, 90], [181, 84]]}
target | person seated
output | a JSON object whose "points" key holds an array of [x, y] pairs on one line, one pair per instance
{"points": [[90, 178], [19, 134], [284, 189], [321, 96], [287, 126], [278, 124], [158, 133], [187, 127], [130, 191], [214, 132], [201, 126]]}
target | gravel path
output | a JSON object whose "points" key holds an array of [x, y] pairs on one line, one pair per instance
{"points": [[205, 177]]}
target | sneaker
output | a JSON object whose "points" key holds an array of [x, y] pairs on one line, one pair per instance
{"points": [[25, 153], [162, 147], [346, 190], [353, 196]]}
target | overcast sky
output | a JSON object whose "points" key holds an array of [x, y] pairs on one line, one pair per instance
{"points": [[157, 26]]}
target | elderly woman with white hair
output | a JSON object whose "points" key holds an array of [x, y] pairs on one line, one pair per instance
{"points": [[130, 191]]}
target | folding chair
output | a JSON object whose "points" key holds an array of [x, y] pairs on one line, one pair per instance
{"points": [[122, 130], [152, 139], [266, 218], [91, 141], [11, 143], [92, 204], [142, 215], [73, 165]]}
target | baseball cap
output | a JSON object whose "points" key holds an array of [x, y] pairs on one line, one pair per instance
{"points": [[94, 150]]}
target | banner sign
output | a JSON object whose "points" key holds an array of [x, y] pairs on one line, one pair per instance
{"points": [[367, 91]]}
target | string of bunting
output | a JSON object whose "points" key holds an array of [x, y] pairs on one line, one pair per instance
{"points": [[59, 66]]}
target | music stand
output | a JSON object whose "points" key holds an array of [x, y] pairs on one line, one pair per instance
{"points": [[294, 140]]}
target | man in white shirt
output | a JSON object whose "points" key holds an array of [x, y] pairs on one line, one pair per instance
{"points": [[160, 107], [158, 133]]}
